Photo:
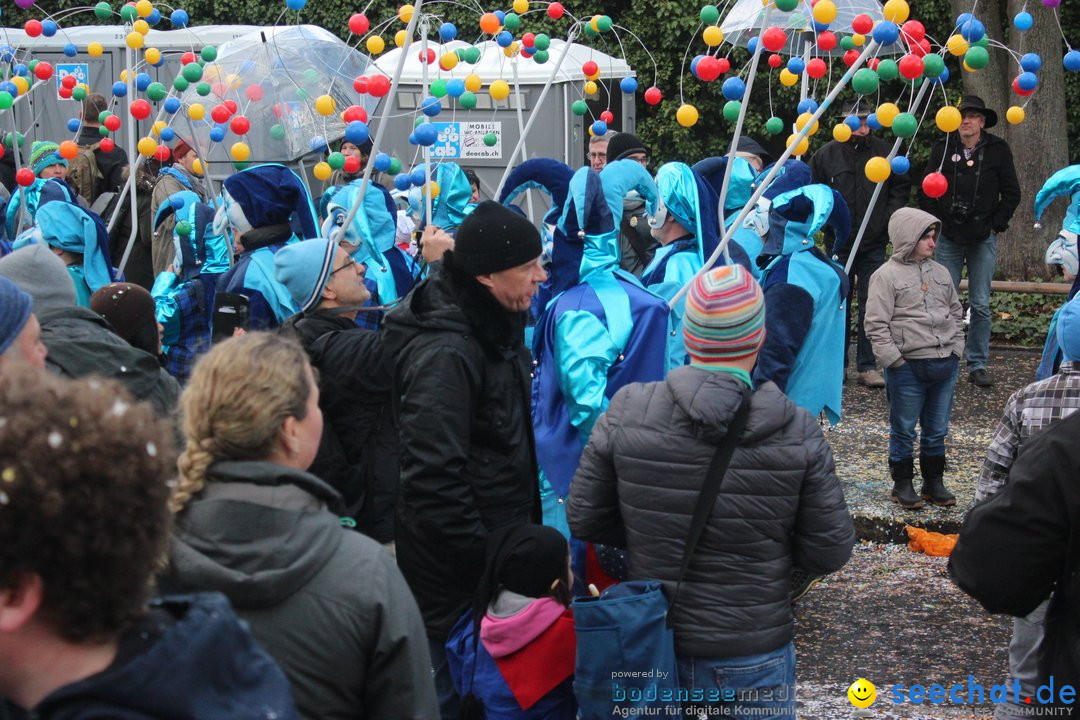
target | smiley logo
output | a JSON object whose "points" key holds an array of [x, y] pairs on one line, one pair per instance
{"points": [[862, 693]]}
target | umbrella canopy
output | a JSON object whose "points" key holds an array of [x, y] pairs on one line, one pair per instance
{"points": [[746, 20]]}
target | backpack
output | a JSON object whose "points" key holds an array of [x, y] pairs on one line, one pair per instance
{"points": [[84, 174]]}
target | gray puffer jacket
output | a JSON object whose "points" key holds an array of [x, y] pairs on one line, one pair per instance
{"points": [[912, 308], [780, 505]]}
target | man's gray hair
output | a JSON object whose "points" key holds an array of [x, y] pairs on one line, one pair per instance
{"points": [[602, 138]]}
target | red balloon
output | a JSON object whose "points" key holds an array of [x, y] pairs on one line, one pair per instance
{"points": [[162, 153], [352, 164], [240, 125], [430, 56], [935, 185], [64, 92], [862, 24], [231, 104], [826, 40], [724, 64], [69, 81], [555, 10], [850, 57], [378, 85], [911, 66], [43, 70], [913, 31], [1019, 90], [112, 123], [528, 40], [873, 63], [816, 68], [773, 39], [25, 177], [708, 69], [358, 24], [107, 145], [607, 116], [188, 57], [590, 68], [280, 110], [653, 96], [32, 28], [2, 152], [254, 93], [360, 84], [775, 61], [220, 114], [140, 109], [220, 89], [355, 112]]}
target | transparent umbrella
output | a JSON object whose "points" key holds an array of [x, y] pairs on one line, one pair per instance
{"points": [[745, 21], [281, 92]]}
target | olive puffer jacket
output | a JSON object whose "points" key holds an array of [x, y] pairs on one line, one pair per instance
{"points": [[780, 505]]}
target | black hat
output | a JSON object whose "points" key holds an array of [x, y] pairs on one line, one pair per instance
{"points": [[974, 102], [494, 238], [622, 144], [861, 109], [748, 144]]}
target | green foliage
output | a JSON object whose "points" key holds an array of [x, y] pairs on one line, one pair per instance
{"points": [[1020, 318]]}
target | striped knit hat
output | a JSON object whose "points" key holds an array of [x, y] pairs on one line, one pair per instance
{"points": [[725, 317], [44, 154]]}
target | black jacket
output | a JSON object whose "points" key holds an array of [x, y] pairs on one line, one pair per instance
{"points": [[840, 165], [981, 197], [359, 452], [1024, 542], [468, 459], [780, 505]]}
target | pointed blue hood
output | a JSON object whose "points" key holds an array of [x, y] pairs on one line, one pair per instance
{"points": [[740, 186], [797, 215], [452, 205], [203, 250], [1064, 182]]}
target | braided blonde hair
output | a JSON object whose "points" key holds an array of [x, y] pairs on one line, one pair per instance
{"points": [[235, 403]]}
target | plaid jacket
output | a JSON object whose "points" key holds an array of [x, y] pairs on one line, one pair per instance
{"points": [[1028, 412], [184, 312]]}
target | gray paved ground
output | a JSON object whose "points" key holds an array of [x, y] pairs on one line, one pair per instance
{"points": [[893, 616]]}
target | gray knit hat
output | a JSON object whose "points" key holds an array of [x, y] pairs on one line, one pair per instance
{"points": [[41, 274]]}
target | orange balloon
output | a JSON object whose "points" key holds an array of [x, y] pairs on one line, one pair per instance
{"points": [[68, 150], [489, 23]]}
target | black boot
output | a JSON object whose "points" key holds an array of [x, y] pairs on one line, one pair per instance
{"points": [[933, 489], [902, 492]]}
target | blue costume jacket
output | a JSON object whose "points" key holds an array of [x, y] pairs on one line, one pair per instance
{"points": [[1064, 182]]}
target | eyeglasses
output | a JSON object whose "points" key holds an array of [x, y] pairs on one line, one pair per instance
{"points": [[597, 156], [349, 264]]}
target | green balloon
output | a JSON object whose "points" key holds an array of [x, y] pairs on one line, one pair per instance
{"points": [[731, 110], [208, 53], [128, 13], [103, 10], [19, 137], [183, 228], [6, 100], [604, 23], [241, 165], [512, 21], [904, 125], [395, 166], [102, 116], [32, 65], [774, 126], [933, 65], [311, 76], [192, 72], [983, 42], [335, 160], [417, 122], [103, 131], [542, 41], [180, 84], [976, 57], [79, 93], [540, 57], [301, 94], [467, 101], [438, 88], [203, 89], [579, 107], [846, 43], [277, 132], [472, 55], [786, 5], [709, 15], [589, 32], [156, 91], [887, 69], [490, 139], [865, 81]]}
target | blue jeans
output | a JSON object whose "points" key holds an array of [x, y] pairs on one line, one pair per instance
{"points": [[444, 683], [743, 686], [981, 259], [913, 400]]}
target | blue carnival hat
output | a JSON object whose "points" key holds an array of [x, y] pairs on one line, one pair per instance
{"points": [[269, 195], [71, 228], [1068, 330], [15, 308], [304, 269]]}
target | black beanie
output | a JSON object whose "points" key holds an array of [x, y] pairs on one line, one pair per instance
{"points": [[622, 144], [494, 238]]}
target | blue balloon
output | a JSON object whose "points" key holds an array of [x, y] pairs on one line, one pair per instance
{"points": [[942, 78], [7, 53], [70, 50], [853, 122], [217, 133], [417, 175], [20, 69], [599, 127], [1031, 62], [426, 135], [900, 165], [154, 17], [73, 124], [49, 28], [1023, 21], [357, 133], [402, 181], [886, 33], [796, 65], [751, 45], [296, 5], [1027, 81], [807, 105], [172, 104], [317, 143], [504, 39], [431, 106], [455, 87], [628, 85], [820, 27], [168, 134], [1071, 61], [501, 14], [972, 30], [119, 89], [382, 162], [142, 81], [447, 32], [963, 18], [179, 18], [733, 88], [412, 138], [9, 87], [694, 64], [872, 122]]}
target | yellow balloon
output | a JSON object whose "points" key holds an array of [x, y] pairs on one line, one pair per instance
{"points": [[240, 152], [788, 78], [712, 36], [877, 169], [399, 37], [196, 111], [157, 127], [152, 55], [473, 83], [499, 90], [804, 120], [896, 11], [325, 105], [448, 61], [825, 11], [1015, 115], [375, 45], [123, 76], [686, 115], [956, 45], [134, 40], [144, 8], [433, 189], [95, 49], [841, 133], [147, 147], [212, 73], [322, 171], [512, 49], [858, 40], [886, 113], [521, 6], [594, 23], [801, 148], [948, 119], [196, 167], [967, 67], [140, 26], [21, 83], [594, 76], [405, 13], [591, 88]]}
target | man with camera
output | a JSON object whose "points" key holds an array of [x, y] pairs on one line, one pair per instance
{"points": [[982, 195]]}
